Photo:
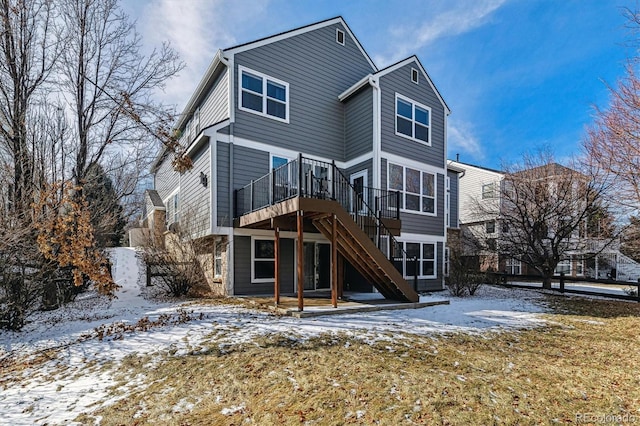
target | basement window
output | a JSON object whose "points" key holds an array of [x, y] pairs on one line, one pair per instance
{"points": [[263, 262]]}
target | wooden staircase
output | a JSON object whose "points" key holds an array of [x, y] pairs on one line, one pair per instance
{"points": [[358, 248], [307, 191]]}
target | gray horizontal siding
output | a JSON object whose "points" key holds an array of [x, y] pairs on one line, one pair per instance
{"points": [[317, 70], [453, 200], [195, 203], [248, 164], [242, 268], [166, 180], [224, 203], [418, 223], [358, 117], [400, 82], [216, 105]]}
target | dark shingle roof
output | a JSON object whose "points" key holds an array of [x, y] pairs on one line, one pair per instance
{"points": [[155, 198]]}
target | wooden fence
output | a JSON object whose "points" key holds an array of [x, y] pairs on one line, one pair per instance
{"points": [[559, 284]]}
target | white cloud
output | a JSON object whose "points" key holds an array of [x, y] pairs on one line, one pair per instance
{"points": [[461, 140], [196, 29], [458, 18]]}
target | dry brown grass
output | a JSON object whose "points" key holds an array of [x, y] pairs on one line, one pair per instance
{"points": [[585, 360]]}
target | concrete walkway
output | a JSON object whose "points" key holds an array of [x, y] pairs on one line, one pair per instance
{"points": [[319, 306]]}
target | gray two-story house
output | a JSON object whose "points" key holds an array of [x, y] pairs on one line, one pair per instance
{"points": [[313, 169]]}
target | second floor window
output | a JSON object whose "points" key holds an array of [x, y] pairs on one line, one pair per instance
{"points": [[264, 95], [413, 120], [489, 191], [418, 188]]}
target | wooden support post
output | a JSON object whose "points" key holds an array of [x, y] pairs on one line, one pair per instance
{"points": [[334, 261], [340, 277], [300, 226], [276, 247]]}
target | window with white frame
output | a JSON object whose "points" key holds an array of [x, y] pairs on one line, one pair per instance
{"points": [[217, 259], [340, 36], [489, 191], [579, 262], [413, 120], [421, 256], [264, 95], [175, 202], [415, 76], [490, 226], [417, 188], [514, 266], [446, 261], [563, 267], [263, 262]]}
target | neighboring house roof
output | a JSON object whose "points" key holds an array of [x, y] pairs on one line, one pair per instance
{"points": [[391, 68], [454, 168], [552, 169], [463, 165], [156, 201]]}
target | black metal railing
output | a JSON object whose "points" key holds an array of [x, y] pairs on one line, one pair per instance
{"points": [[310, 178]]}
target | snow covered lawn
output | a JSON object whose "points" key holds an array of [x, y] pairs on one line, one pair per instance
{"points": [[62, 364]]}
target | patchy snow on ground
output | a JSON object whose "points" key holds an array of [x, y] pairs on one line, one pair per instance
{"points": [[62, 363]]}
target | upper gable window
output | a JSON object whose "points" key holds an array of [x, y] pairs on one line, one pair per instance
{"points": [[413, 120], [264, 95], [415, 76], [340, 36]]}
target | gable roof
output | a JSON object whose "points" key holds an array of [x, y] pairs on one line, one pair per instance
{"points": [[301, 30], [391, 68], [155, 199]]}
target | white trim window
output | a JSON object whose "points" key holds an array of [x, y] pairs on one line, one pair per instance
{"points": [[563, 267], [418, 189], [339, 36], [489, 191], [513, 266], [217, 258], [263, 95], [426, 256], [415, 76], [447, 262], [413, 120], [263, 262]]}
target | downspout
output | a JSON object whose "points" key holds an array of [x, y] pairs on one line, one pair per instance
{"points": [[377, 144], [230, 284]]}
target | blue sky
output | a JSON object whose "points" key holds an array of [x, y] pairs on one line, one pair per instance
{"points": [[518, 75]]}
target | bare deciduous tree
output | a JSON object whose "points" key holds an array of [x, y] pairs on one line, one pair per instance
{"points": [[544, 213], [28, 48], [110, 82], [613, 141]]}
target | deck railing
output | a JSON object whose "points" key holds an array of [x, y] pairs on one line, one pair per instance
{"points": [[310, 178]]}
